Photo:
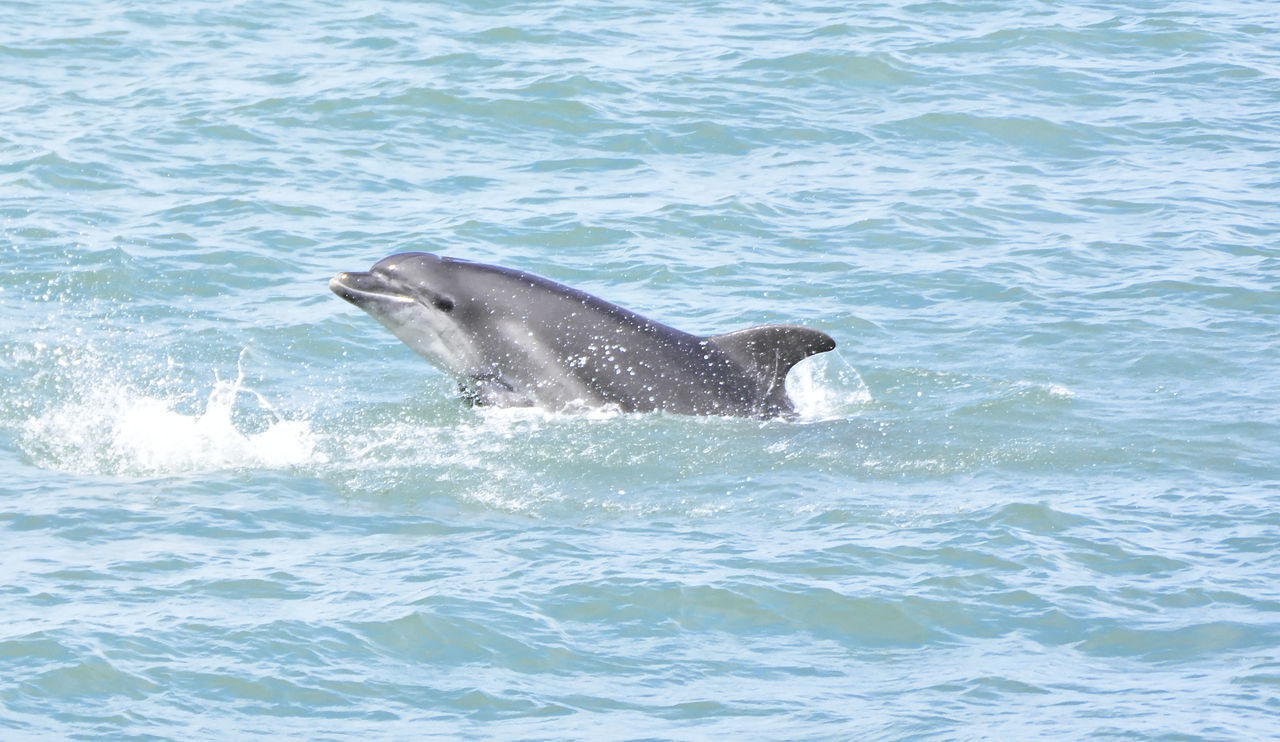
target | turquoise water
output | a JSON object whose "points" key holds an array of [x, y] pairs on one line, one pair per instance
{"points": [[1035, 493]]}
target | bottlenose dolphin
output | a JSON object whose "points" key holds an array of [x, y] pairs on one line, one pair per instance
{"points": [[511, 339]]}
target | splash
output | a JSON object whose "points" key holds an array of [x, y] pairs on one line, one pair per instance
{"points": [[826, 389], [114, 429], [97, 418]]}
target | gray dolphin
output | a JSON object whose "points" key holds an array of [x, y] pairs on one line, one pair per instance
{"points": [[515, 339]]}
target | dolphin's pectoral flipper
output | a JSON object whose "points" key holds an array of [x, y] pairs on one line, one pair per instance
{"points": [[769, 352], [492, 390]]}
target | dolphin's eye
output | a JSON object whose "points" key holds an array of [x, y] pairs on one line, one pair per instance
{"points": [[443, 303]]}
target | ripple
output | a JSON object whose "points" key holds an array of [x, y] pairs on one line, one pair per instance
{"points": [[1029, 134], [90, 677], [1180, 643], [838, 69]]}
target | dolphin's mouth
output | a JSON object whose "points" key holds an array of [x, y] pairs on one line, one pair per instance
{"points": [[361, 288]]}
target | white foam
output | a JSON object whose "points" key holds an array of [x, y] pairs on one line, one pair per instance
{"points": [[114, 429], [1053, 390]]}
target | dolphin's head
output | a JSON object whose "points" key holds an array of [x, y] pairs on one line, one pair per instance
{"points": [[413, 295]]}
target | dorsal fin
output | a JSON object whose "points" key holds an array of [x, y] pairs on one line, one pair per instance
{"points": [[769, 352], [781, 346]]}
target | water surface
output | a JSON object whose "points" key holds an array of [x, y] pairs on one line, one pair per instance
{"points": [[1034, 494]]}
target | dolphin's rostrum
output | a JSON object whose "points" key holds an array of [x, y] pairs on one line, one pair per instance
{"points": [[515, 339]]}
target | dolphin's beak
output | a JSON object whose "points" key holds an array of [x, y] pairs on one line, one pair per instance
{"points": [[338, 285], [361, 287]]}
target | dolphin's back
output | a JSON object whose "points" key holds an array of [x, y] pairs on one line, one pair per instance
{"points": [[608, 354]]}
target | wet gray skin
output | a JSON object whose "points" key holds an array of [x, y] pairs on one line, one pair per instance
{"points": [[511, 338]]}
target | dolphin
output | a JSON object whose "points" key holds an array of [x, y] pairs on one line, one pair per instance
{"points": [[512, 339]]}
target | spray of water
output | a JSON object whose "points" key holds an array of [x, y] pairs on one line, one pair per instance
{"points": [[111, 427], [826, 387]]}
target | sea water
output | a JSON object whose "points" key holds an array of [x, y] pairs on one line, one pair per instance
{"points": [[1035, 493]]}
